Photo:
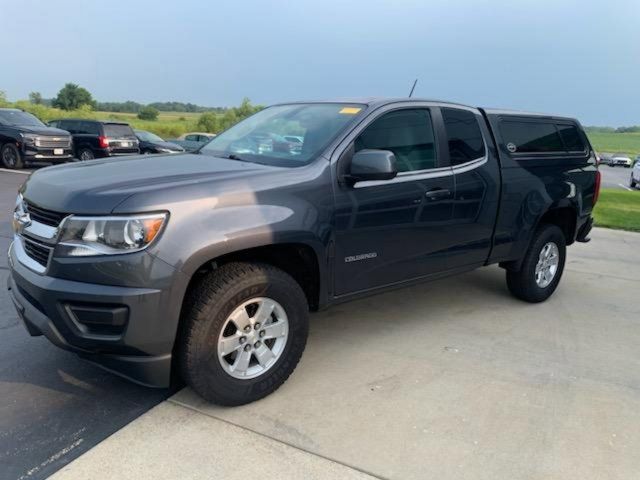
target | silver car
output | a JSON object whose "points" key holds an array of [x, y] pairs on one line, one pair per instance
{"points": [[621, 160], [635, 174]]}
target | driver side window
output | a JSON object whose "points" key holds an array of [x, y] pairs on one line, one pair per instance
{"points": [[408, 134]]}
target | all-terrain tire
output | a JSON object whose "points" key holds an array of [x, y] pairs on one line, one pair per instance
{"points": [[522, 283], [207, 308]]}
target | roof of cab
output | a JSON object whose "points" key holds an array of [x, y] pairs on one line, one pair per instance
{"points": [[377, 101], [380, 101], [92, 120], [521, 113]]}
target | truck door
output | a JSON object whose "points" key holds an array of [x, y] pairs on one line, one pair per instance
{"points": [[389, 231], [477, 186]]}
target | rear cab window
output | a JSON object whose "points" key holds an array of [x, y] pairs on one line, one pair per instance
{"points": [[531, 136]]}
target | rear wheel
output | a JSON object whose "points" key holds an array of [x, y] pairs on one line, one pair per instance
{"points": [[541, 268], [632, 182], [86, 154], [244, 331], [11, 157]]}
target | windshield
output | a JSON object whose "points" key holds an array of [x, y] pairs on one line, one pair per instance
{"points": [[148, 136], [262, 138], [18, 118]]}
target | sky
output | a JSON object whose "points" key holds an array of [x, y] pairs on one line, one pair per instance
{"points": [[569, 57]]}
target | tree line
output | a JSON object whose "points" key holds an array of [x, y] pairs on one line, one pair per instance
{"points": [[79, 102], [73, 97]]}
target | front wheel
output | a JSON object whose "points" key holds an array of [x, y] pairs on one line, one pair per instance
{"points": [[541, 268], [244, 331], [11, 157], [632, 182]]}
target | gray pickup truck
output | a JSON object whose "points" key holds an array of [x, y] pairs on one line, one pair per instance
{"points": [[205, 266]]}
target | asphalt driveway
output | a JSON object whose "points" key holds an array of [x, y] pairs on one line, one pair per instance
{"points": [[53, 405]]}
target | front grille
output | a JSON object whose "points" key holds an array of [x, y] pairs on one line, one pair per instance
{"points": [[53, 142], [37, 251], [43, 215]]}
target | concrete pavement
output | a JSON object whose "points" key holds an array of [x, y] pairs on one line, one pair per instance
{"points": [[449, 380]]}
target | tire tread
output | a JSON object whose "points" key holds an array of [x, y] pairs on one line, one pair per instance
{"points": [[199, 301], [521, 283]]}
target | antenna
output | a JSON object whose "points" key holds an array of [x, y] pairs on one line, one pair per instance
{"points": [[413, 88]]}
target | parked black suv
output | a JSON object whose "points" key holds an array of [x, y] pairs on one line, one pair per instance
{"points": [[207, 264], [24, 138], [96, 139]]}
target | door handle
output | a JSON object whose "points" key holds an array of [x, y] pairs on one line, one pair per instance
{"points": [[438, 193]]}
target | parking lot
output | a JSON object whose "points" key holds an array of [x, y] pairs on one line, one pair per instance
{"points": [[453, 379], [615, 177], [54, 407]]}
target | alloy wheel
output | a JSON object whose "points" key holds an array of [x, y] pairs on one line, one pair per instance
{"points": [[253, 338], [547, 265]]}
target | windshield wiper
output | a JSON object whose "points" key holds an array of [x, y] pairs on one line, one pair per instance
{"points": [[233, 156]]}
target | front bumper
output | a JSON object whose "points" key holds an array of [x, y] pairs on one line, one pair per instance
{"points": [[136, 327], [41, 154]]}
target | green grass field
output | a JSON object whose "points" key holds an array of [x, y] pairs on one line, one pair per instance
{"points": [[618, 209], [615, 142], [168, 124]]}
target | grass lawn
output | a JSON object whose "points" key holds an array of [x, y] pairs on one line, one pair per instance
{"points": [[168, 124], [611, 142], [618, 209]]}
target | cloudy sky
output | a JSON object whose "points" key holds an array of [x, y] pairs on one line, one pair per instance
{"points": [[571, 57]]}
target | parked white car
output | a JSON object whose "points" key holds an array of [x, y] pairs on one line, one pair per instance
{"points": [[621, 160], [635, 175]]}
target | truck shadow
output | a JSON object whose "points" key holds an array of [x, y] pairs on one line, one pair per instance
{"points": [[405, 308]]}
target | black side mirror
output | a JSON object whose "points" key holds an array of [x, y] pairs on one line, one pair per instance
{"points": [[372, 165]]}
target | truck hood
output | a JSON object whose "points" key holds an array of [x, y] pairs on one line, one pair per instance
{"points": [[49, 131], [98, 186]]}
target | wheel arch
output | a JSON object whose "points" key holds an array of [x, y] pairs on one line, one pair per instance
{"points": [[302, 260], [563, 215], [299, 259]]}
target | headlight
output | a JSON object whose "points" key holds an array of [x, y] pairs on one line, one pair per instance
{"points": [[28, 138], [20, 215], [86, 236]]}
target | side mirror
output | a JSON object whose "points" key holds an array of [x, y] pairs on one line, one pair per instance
{"points": [[372, 165]]}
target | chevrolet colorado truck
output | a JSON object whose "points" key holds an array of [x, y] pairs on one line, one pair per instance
{"points": [[204, 267]]}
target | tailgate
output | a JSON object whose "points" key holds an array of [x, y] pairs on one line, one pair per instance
{"points": [[121, 138]]}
